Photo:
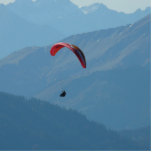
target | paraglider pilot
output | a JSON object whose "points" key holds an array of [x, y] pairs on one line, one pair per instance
{"points": [[63, 94]]}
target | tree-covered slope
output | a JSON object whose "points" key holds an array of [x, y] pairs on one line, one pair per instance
{"points": [[30, 124]]}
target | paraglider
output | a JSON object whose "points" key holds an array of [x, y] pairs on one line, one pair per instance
{"points": [[56, 47], [80, 55]]}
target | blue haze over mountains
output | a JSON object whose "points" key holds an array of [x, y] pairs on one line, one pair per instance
{"points": [[26, 23], [114, 90], [113, 93], [30, 124]]}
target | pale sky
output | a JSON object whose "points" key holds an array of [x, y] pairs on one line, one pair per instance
{"points": [[5, 2], [127, 6]]}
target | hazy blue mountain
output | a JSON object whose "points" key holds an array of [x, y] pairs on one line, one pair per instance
{"points": [[68, 18], [26, 23], [99, 16], [142, 134], [17, 33], [30, 124], [113, 90], [63, 15]]}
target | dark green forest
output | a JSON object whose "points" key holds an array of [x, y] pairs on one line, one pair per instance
{"points": [[31, 124]]}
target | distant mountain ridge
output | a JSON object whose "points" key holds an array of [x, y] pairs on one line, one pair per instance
{"points": [[67, 20], [46, 21], [98, 7], [16, 32], [115, 82]]}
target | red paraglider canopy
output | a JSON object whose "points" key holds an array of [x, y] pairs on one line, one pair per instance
{"points": [[56, 47]]}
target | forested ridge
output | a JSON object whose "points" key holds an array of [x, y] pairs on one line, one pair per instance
{"points": [[31, 124]]}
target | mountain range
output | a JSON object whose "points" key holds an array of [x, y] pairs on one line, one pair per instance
{"points": [[30, 124], [113, 90], [26, 23], [17, 32]]}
